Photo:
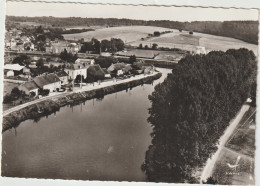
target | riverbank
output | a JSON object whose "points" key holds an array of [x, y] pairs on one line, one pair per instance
{"points": [[53, 104]]}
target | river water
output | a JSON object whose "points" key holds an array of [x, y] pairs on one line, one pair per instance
{"points": [[96, 140]]}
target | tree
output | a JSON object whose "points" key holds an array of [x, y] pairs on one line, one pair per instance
{"points": [[146, 47], [40, 63], [211, 180], [16, 93], [132, 59], [180, 30], [69, 57], [154, 46], [140, 46], [191, 33], [156, 33], [105, 62], [191, 109], [22, 60], [119, 44], [96, 45], [79, 78], [105, 45]]}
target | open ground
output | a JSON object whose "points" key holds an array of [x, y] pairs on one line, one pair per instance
{"points": [[133, 35], [235, 164]]}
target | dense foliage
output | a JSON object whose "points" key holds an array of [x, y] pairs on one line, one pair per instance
{"points": [[95, 46], [243, 30], [191, 109]]}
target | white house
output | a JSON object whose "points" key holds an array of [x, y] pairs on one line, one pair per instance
{"points": [[200, 50], [76, 69], [49, 81], [85, 61]]}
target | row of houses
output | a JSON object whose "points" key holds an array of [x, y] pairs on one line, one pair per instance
{"points": [[52, 82]]}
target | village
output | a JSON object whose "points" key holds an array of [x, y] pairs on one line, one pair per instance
{"points": [[60, 68]]}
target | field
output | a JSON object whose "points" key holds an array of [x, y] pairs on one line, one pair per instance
{"points": [[152, 54], [243, 141], [240, 150], [133, 35], [242, 175], [8, 86], [126, 33]]}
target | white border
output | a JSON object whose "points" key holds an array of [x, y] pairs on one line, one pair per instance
{"points": [[248, 4]]}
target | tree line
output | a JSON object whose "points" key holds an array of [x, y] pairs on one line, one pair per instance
{"points": [[243, 30], [113, 45], [192, 108]]}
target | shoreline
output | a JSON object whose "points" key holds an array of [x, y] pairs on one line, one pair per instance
{"points": [[53, 104]]}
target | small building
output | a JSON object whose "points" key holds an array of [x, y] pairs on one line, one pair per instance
{"points": [[29, 87], [16, 68], [76, 69], [58, 47], [200, 50], [117, 68], [10, 73], [50, 81], [64, 77], [85, 61], [107, 74]]}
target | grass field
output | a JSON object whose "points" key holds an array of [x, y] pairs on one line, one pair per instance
{"points": [[242, 175], [133, 35], [126, 33], [8, 86], [153, 54], [243, 140], [240, 145]]}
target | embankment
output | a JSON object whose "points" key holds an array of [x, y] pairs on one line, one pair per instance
{"points": [[52, 105]]}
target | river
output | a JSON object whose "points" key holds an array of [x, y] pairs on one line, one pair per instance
{"points": [[96, 140]]}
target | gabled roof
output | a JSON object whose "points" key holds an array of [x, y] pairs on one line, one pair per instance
{"points": [[62, 74], [116, 66], [76, 66], [30, 85], [15, 67], [46, 80], [83, 60]]}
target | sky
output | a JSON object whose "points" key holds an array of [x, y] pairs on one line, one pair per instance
{"points": [[32, 9]]}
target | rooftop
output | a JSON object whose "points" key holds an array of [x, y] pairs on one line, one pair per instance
{"points": [[46, 79]]}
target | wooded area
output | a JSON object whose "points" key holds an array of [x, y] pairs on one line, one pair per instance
{"points": [[191, 109], [243, 30]]}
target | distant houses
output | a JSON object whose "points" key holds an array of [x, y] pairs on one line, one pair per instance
{"points": [[50, 82], [60, 46]]}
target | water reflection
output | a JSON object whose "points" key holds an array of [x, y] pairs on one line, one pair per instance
{"points": [[98, 139]]}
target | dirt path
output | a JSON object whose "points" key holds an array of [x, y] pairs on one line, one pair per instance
{"points": [[207, 171]]}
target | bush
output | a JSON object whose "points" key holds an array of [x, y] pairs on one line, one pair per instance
{"points": [[8, 98], [44, 92]]}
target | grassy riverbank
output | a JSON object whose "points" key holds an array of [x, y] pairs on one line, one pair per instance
{"points": [[47, 107]]}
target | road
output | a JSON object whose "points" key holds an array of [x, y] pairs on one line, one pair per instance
{"points": [[89, 87], [207, 171]]}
